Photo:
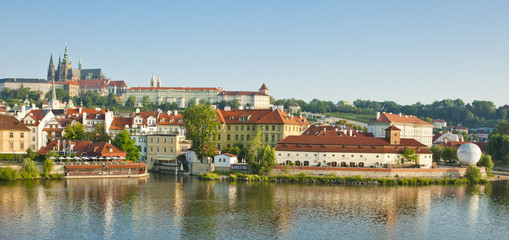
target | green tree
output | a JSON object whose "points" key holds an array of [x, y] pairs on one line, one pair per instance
{"points": [[260, 158], [202, 126], [235, 104], [473, 174], [99, 134], [29, 171], [437, 151], [75, 132], [409, 155], [146, 101], [48, 167], [498, 147], [30, 154], [130, 101], [502, 128], [125, 143], [486, 162], [60, 93]]}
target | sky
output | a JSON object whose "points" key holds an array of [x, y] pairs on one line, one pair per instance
{"points": [[402, 51]]}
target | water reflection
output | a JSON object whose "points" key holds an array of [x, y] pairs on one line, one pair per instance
{"points": [[165, 206]]}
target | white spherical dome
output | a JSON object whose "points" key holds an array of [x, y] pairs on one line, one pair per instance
{"points": [[469, 153]]}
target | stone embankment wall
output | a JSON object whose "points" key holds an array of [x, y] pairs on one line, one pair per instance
{"points": [[375, 172], [198, 168], [163, 169]]}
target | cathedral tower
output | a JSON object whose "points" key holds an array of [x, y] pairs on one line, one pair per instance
{"points": [[153, 81], [51, 69]]}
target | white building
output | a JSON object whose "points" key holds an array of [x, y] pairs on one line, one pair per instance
{"points": [[350, 151], [411, 127], [439, 123], [36, 121], [255, 100], [223, 161]]}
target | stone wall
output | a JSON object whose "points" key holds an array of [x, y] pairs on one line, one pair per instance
{"points": [[375, 172], [198, 168]]}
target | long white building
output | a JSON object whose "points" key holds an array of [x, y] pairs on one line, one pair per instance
{"points": [[411, 127]]}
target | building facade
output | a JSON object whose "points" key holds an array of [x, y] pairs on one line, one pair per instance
{"points": [[240, 126], [349, 151], [411, 127], [13, 135], [254, 100]]}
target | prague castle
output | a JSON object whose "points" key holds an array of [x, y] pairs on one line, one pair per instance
{"points": [[65, 71]]}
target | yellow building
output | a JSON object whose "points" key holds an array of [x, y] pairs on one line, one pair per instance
{"points": [[239, 126], [14, 135], [164, 148]]}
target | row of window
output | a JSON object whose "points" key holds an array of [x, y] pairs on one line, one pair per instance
{"points": [[158, 149], [21, 145], [21, 135], [158, 139]]}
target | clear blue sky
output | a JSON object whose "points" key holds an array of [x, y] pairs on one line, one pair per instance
{"points": [[404, 51]]}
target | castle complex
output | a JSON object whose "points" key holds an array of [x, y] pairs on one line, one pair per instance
{"points": [[65, 71]]}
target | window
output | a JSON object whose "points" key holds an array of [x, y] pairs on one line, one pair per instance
{"points": [[157, 149], [236, 137], [164, 139], [21, 145], [151, 149], [157, 140], [164, 149], [266, 128], [151, 140], [228, 127], [228, 137], [22, 135], [11, 135], [11, 145], [236, 127], [248, 137], [273, 128]]}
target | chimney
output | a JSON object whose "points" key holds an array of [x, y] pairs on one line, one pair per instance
{"points": [[350, 132], [79, 109], [168, 112], [176, 112], [399, 114], [377, 115], [137, 110]]}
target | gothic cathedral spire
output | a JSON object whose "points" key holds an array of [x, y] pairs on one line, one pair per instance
{"points": [[51, 69], [159, 81]]}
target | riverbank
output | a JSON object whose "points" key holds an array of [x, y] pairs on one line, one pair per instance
{"points": [[333, 179]]}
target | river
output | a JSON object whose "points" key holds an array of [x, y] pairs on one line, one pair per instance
{"points": [[182, 207]]}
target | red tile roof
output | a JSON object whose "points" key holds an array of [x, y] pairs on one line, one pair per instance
{"points": [[165, 119], [237, 93], [117, 84], [175, 88], [327, 130], [11, 123], [264, 87], [347, 144], [37, 115], [86, 148], [119, 123], [396, 118], [259, 116]]}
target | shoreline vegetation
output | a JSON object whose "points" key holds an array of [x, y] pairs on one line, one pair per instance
{"points": [[335, 180]]}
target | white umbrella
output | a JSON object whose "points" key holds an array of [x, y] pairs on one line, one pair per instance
{"points": [[68, 158], [52, 158], [107, 158], [121, 158], [85, 158], [61, 158]]}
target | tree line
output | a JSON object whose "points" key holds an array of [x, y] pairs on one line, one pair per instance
{"points": [[454, 111]]}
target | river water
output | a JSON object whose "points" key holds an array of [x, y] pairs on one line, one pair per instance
{"points": [[182, 207]]}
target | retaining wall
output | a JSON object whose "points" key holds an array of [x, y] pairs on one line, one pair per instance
{"points": [[198, 168]]}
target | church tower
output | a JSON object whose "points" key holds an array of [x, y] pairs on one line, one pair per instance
{"points": [[64, 68], [51, 69], [159, 84], [264, 89], [153, 81]]}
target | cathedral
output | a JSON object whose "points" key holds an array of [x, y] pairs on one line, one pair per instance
{"points": [[65, 71]]}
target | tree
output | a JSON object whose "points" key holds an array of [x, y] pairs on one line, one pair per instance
{"points": [[130, 101], [48, 167], [486, 162], [125, 143], [60, 93], [99, 134], [409, 155], [202, 126], [498, 147], [260, 158], [30, 154], [437, 151], [502, 128], [9, 174], [450, 154], [235, 104], [75, 132], [29, 171], [146, 101], [473, 174]]}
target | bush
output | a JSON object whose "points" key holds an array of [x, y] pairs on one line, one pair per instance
{"points": [[473, 174], [486, 162], [9, 174], [29, 171]]}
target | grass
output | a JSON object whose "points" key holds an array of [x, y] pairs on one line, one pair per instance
{"points": [[363, 118], [332, 179]]}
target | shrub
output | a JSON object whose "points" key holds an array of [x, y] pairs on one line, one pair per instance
{"points": [[473, 174], [29, 171], [9, 174], [486, 162]]}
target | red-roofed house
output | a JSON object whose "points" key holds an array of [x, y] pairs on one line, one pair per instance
{"points": [[335, 151], [83, 148], [239, 126], [36, 120], [411, 127]]}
